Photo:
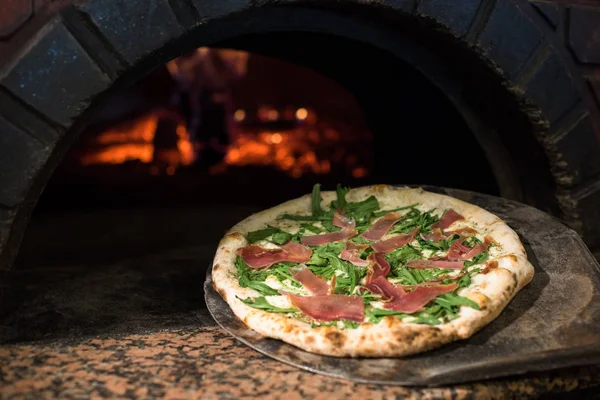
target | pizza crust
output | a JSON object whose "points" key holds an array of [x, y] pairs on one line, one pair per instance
{"points": [[391, 337]]}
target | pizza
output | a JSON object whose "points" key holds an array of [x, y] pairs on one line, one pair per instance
{"points": [[376, 271]]}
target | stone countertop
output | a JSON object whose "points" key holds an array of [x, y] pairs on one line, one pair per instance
{"points": [[207, 363], [111, 305]]}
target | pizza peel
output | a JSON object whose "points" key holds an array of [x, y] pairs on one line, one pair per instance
{"points": [[553, 322]]}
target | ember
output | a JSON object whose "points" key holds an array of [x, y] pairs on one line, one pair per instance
{"points": [[134, 140], [233, 129]]}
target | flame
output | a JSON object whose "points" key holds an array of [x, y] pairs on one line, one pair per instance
{"points": [[295, 151], [133, 140]]}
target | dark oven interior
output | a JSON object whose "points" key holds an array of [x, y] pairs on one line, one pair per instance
{"points": [[148, 147]]}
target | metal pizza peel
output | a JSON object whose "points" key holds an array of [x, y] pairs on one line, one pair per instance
{"points": [[554, 322]]}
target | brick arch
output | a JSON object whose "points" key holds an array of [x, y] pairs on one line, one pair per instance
{"points": [[79, 53]]}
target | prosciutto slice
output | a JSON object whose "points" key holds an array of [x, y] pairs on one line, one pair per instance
{"points": [[317, 240], [310, 281], [466, 231], [259, 257], [418, 298], [380, 267], [449, 217], [331, 307], [459, 251], [382, 226], [435, 236], [384, 288], [442, 264], [385, 246], [341, 221], [351, 253]]}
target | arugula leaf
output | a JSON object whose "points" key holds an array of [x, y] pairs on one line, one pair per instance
{"points": [[362, 211], [410, 276], [383, 212], [442, 245], [346, 282], [426, 319], [262, 304], [345, 324], [466, 279], [340, 203], [415, 218], [402, 255], [316, 201], [351, 324], [478, 259], [472, 241], [449, 300], [245, 279], [281, 237], [369, 297], [329, 227], [262, 234], [375, 315], [360, 240], [312, 228]]}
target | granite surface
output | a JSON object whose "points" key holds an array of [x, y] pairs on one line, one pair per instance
{"points": [[123, 316], [207, 363]]}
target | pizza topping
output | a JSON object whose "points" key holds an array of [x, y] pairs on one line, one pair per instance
{"points": [[385, 289], [421, 264], [435, 236], [466, 231], [317, 240], [445, 278], [459, 251], [424, 260], [331, 307], [490, 266], [382, 226], [310, 281], [341, 221], [379, 267], [352, 252], [449, 217], [418, 298], [385, 246], [261, 303], [276, 235], [259, 257]]}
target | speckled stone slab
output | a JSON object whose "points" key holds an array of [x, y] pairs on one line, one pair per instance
{"points": [[206, 363], [554, 322]]}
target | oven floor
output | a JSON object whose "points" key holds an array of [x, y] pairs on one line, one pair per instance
{"points": [[111, 303]]}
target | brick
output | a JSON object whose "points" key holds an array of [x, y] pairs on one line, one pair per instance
{"points": [[13, 14], [457, 15], [21, 157], [584, 34], [548, 10], [577, 153], [509, 48], [552, 89], [56, 76], [135, 28], [588, 211]]}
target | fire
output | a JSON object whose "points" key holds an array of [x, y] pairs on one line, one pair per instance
{"points": [[297, 151], [134, 140]]}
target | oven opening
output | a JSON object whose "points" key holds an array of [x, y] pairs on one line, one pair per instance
{"points": [[131, 216], [224, 126]]}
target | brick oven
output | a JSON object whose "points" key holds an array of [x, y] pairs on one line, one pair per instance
{"points": [[528, 95], [349, 90]]}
